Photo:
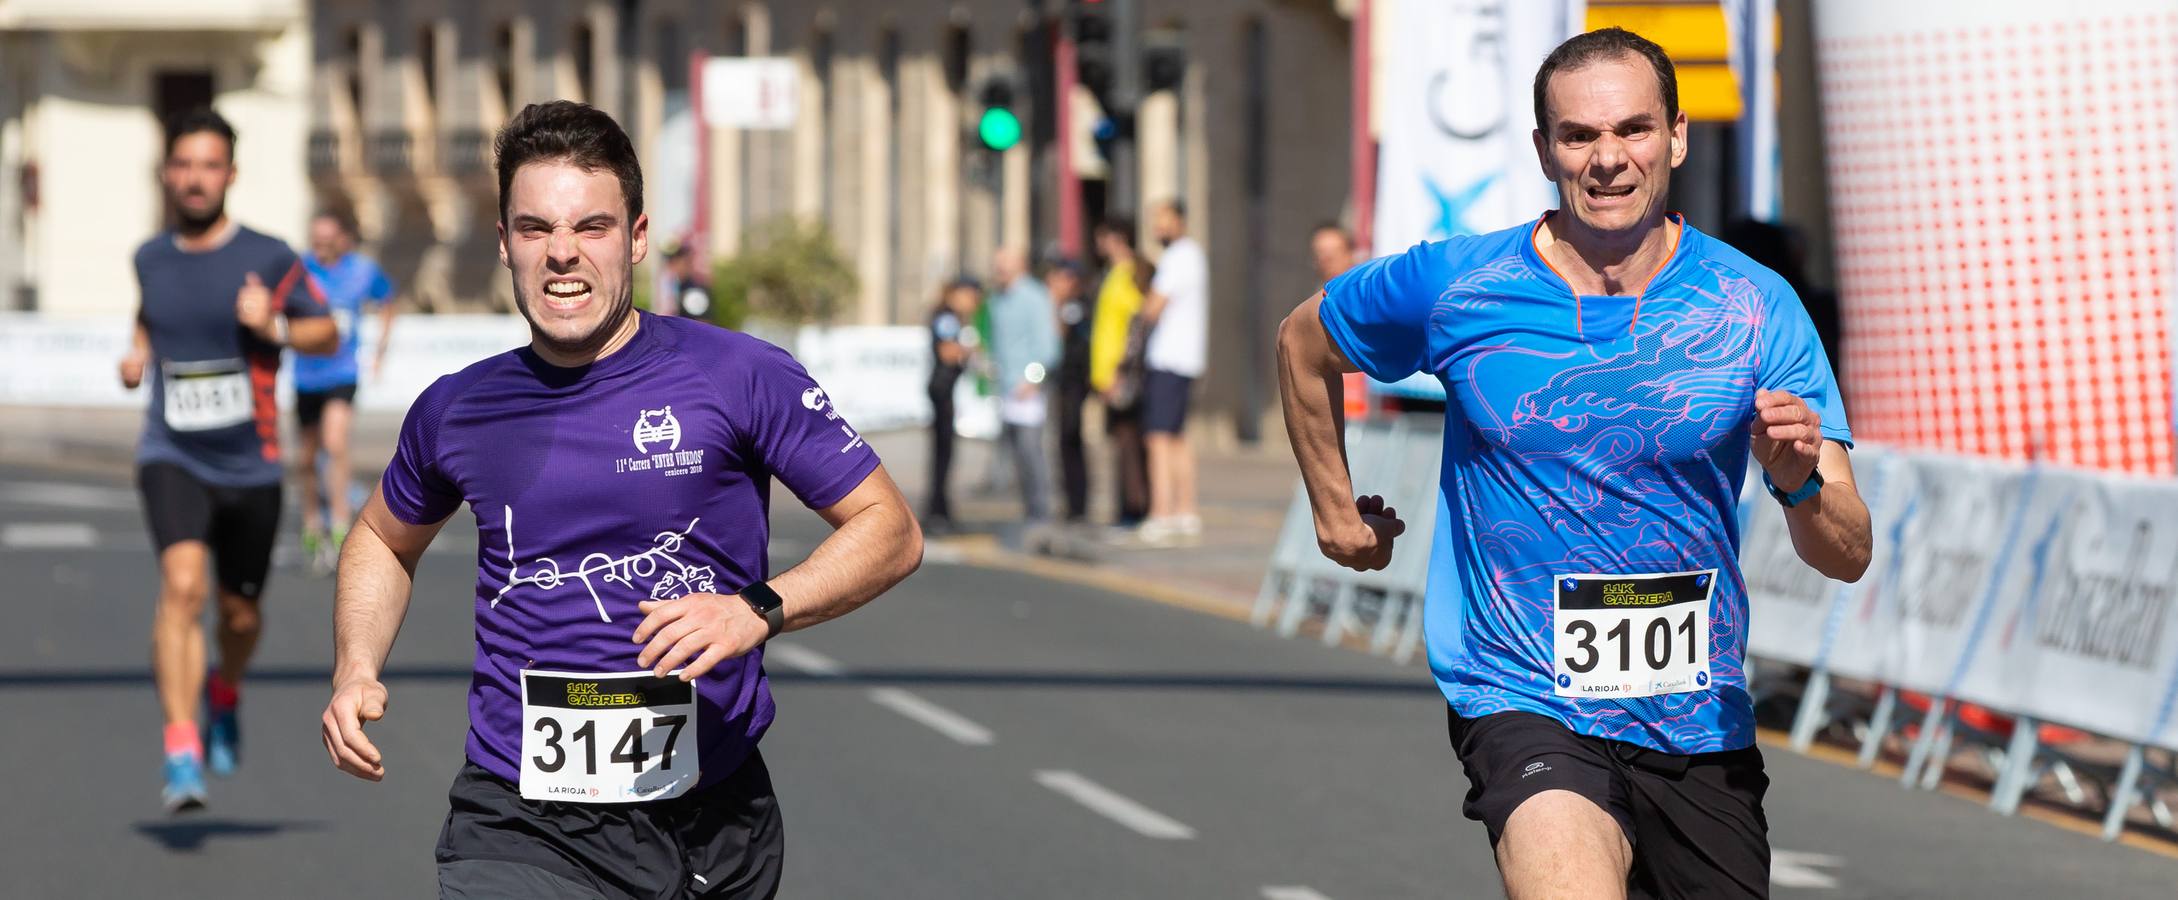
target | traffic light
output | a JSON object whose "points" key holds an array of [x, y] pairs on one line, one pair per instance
{"points": [[1164, 66], [999, 127], [1094, 66]]}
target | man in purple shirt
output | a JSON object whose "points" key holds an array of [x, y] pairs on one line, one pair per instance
{"points": [[619, 470]]}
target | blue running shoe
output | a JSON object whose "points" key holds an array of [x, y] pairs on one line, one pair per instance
{"points": [[184, 790], [223, 740]]}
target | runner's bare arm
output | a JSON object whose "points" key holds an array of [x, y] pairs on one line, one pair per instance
{"points": [[1830, 530], [875, 543], [260, 307], [139, 355], [377, 571], [386, 312], [1355, 532]]}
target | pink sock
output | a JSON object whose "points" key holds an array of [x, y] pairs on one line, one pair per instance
{"points": [[181, 737], [223, 696]]}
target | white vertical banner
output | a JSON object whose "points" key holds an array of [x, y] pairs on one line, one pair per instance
{"points": [[1455, 155], [1753, 26], [757, 93]]}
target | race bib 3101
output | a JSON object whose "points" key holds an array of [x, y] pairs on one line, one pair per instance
{"points": [[1632, 635]]}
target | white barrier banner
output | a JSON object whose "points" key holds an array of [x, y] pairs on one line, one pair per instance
{"points": [[2083, 629], [76, 362], [67, 362], [2029, 590], [876, 375], [1957, 539]]}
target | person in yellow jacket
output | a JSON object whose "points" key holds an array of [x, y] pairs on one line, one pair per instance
{"points": [[1116, 341]]}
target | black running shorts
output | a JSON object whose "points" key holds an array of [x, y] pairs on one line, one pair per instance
{"points": [[1695, 822], [310, 405], [721, 841], [237, 524]]}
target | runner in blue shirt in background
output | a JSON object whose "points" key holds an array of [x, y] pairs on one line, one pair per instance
{"points": [[325, 385], [1609, 371]]}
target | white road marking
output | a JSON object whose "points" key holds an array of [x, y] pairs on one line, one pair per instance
{"points": [[1292, 892], [47, 535], [74, 496], [943, 553], [1797, 870], [796, 656], [1140, 819], [936, 718]]}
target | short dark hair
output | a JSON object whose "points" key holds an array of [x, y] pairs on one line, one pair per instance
{"points": [[1178, 207], [1583, 50], [569, 132], [341, 217], [1119, 225], [198, 121]]}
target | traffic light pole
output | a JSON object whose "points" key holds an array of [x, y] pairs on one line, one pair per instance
{"points": [[1126, 94]]}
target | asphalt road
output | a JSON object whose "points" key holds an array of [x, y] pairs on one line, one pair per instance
{"points": [[975, 734]]}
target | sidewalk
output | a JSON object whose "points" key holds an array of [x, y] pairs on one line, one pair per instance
{"points": [[1243, 501], [1243, 498]]}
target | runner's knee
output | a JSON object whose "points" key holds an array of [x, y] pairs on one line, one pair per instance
{"points": [[238, 614], [183, 591]]}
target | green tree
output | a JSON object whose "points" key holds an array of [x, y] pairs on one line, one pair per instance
{"points": [[788, 271]]}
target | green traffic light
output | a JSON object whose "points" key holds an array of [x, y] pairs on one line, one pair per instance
{"points": [[999, 128]]}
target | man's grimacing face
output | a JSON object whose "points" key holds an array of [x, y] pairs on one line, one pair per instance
{"points": [[1610, 148], [571, 250]]}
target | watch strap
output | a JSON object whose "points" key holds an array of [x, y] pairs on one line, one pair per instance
{"points": [[1809, 488]]}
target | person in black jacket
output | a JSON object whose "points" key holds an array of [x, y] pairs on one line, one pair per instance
{"points": [[952, 341], [1064, 281]]}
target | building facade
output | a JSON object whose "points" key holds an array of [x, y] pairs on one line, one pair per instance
{"points": [[84, 88], [1253, 137]]}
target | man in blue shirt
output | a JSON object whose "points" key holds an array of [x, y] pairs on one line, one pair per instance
{"points": [[1024, 352], [325, 385], [1609, 371]]}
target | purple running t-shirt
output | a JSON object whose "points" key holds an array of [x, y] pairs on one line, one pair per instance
{"points": [[644, 475]]}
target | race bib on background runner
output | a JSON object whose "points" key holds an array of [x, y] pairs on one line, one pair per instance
{"points": [[203, 396], [607, 738], [1632, 635]]}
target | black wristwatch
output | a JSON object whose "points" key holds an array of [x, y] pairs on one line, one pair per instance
{"points": [[768, 604]]}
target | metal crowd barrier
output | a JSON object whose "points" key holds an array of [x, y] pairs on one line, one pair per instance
{"points": [[1398, 461]]}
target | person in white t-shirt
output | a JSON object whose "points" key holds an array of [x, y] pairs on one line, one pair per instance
{"points": [[1178, 312]]}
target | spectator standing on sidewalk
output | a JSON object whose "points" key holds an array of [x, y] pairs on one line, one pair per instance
{"points": [[952, 335], [1332, 249], [1177, 312], [1063, 281], [1115, 365], [1023, 349], [692, 298]]}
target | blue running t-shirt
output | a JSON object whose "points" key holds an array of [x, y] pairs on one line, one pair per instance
{"points": [[1594, 449], [350, 283]]}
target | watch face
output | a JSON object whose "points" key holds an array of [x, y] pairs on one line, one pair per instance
{"points": [[761, 597]]}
